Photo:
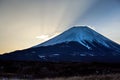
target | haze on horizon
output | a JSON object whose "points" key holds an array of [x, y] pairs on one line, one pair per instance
{"points": [[25, 23]]}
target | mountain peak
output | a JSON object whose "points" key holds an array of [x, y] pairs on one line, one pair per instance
{"points": [[79, 34], [80, 27]]}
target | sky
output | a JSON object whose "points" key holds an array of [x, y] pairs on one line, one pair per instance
{"points": [[25, 23]]}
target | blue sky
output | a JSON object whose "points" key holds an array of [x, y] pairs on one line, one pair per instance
{"points": [[24, 23], [104, 16]]}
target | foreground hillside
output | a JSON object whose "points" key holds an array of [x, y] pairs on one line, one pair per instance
{"points": [[90, 77], [28, 69]]}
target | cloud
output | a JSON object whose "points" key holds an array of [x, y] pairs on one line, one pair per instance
{"points": [[43, 37]]}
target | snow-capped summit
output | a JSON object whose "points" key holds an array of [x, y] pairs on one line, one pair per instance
{"points": [[79, 34]]}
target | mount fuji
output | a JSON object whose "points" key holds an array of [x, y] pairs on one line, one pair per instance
{"points": [[77, 44]]}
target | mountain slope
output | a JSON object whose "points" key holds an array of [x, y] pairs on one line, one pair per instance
{"points": [[78, 44], [79, 34]]}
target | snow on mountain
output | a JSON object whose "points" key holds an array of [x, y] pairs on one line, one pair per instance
{"points": [[79, 34]]}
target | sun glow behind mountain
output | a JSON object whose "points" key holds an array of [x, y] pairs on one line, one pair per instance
{"points": [[25, 23]]}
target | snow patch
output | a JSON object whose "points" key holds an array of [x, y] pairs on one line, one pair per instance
{"points": [[56, 54], [91, 54], [82, 54], [52, 55], [41, 56]]}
